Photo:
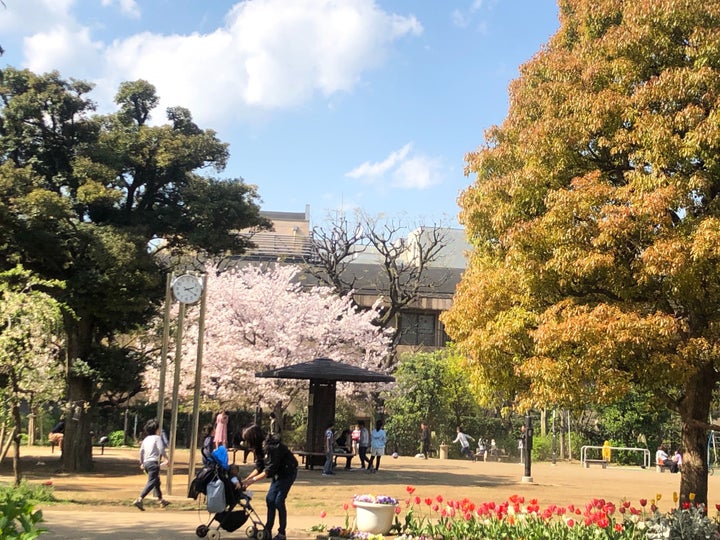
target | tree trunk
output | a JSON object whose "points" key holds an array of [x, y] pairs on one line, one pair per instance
{"points": [[17, 436], [77, 443], [694, 411]]}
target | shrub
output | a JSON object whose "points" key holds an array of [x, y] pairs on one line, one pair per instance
{"points": [[117, 438], [18, 517]]}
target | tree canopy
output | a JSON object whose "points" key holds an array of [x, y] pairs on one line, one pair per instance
{"points": [[93, 201], [595, 220]]}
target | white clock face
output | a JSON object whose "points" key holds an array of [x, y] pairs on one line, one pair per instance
{"points": [[187, 289]]}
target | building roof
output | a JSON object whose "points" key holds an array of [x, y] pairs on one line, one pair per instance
{"points": [[326, 369]]}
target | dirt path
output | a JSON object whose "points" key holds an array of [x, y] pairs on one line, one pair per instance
{"points": [[98, 505]]}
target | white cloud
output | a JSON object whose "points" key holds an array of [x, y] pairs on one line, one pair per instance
{"points": [[373, 170], [270, 54], [418, 172], [28, 16], [60, 47], [127, 7], [463, 18], [402, 169], [458, 18]]}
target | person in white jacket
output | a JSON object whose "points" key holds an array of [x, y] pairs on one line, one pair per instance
{"points": [[152, 451], [464, 439]]}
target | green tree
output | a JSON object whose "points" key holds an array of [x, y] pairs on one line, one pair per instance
{"points": [[31, 369], [94, 201], [595, 220], [636, 420], [429, 387]]}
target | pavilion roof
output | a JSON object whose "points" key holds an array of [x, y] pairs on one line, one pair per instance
{"points": [[328, 370]]}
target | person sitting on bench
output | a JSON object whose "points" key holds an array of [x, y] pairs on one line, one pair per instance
{"points": [[662, 459], [344, 444]]}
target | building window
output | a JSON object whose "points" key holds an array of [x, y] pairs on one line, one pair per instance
{"points": [[418, 329]]}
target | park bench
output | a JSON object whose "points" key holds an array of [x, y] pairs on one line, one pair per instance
{"points": [[102, 443], [310, 463], [498, 455], [602, 462]]}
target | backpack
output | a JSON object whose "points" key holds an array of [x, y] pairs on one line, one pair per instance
{"points": [[199, 484]]}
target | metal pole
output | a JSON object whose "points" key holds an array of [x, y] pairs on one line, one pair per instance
{"points": [[554, 440], [198, 380], [569, 442], [527, 448], [164, 352], [176, 386]]}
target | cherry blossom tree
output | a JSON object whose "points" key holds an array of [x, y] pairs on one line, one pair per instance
{"points": [[262, 317]]}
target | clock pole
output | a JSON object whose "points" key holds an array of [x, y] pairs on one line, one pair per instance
{"points": [[198, 380], [176, 386], [164, 351]]}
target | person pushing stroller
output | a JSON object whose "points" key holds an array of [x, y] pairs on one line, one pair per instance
{"points": [[280, 466]]}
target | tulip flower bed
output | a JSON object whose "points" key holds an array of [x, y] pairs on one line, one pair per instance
{"points": [[433, 518]]}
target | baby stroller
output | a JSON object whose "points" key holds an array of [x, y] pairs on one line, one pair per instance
{"points": [[230, 507]]}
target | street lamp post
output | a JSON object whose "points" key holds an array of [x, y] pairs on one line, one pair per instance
{"points": [[527, 437], [554, 441]]}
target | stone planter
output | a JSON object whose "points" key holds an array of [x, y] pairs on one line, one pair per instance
{"points": [[374, 518]]}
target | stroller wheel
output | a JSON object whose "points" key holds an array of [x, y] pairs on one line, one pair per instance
{"points": [[214, 535], [202, 531], [251, 531], [262, 534]]}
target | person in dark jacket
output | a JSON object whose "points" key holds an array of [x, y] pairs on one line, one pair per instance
{"points": [[281, 467]]}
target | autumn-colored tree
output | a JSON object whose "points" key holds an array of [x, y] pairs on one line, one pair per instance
{"points": [[595, 219], [262, 317]]}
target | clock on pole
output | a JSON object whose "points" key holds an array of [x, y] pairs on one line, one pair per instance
{"points": [[187, 288]]}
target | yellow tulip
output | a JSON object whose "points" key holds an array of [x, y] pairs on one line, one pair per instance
{"points": [[675, 496], [691, 496], [658, 496]]}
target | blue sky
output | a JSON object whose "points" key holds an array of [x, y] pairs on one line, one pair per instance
{"points": [[335, 104]]}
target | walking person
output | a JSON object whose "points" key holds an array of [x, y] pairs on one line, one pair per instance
{"points": [[207, 445], [363, 444], [424, 439], [152, 450], [462, 438], [221, 425], [378, 439], [280, 465], [329, 449]]}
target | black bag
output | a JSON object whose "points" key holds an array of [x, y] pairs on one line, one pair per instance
{"points": [[232, 521], [199, 484]]}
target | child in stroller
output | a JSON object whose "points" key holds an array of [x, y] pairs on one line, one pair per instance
{"points": [[227, 500]]}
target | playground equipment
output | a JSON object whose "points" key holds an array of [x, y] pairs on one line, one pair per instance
{"points": [[713, 446], [586, 462]]}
